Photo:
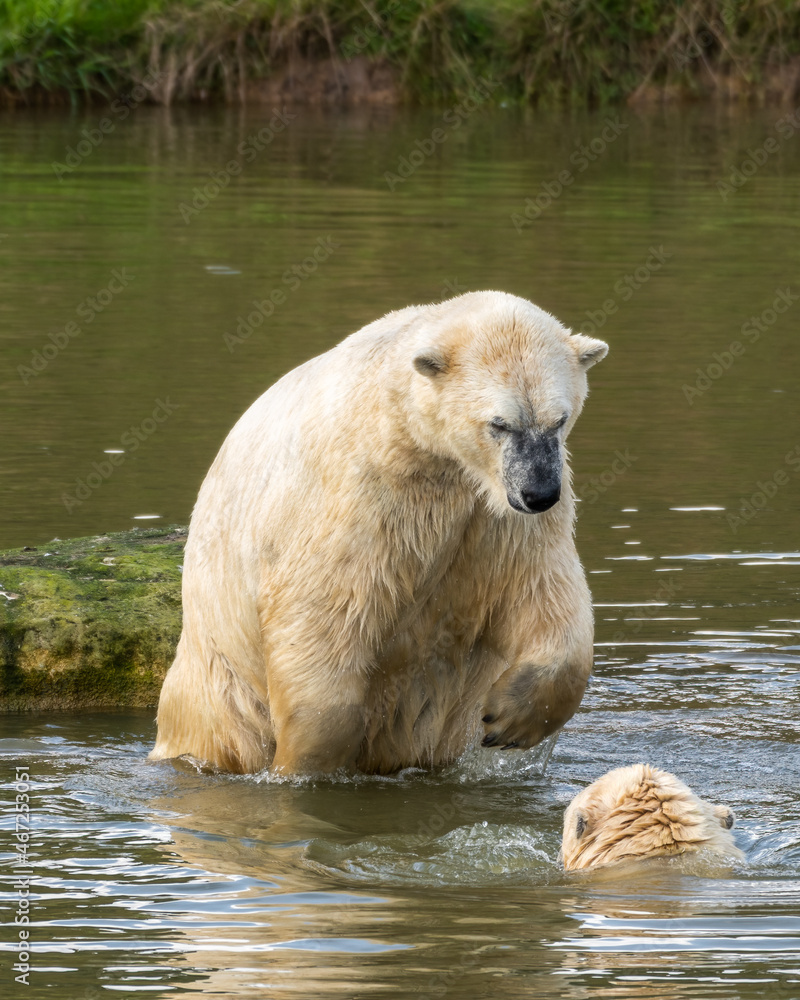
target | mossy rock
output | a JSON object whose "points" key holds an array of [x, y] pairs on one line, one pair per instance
{"points": [[90, 622]]}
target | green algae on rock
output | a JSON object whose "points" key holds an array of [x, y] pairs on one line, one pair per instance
{"points": [[90, 622]]}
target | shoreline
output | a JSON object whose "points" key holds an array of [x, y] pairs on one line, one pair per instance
{"points": [[344, 53]]}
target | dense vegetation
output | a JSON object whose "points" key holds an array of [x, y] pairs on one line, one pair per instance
{"points": [[547, 51]]}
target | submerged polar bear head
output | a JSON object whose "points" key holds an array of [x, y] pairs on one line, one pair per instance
{"points": [[641, 812], [498, 384]]}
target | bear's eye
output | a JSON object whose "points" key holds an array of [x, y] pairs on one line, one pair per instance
{"points": [[562, 421], [499, 426], [580, 825]]}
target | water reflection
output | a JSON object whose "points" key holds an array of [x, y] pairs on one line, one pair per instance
{"points": [[415, 883], [447, 229]]}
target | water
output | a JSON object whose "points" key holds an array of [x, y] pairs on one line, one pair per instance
{"points": [[149, 879]]}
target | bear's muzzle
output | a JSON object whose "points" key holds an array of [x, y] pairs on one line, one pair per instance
{"points": [[532, 464]]}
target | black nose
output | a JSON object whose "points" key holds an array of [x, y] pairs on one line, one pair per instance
{"points": [[539, 502]]}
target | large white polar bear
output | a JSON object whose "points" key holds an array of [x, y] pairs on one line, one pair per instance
{"points": [[382, 553]]}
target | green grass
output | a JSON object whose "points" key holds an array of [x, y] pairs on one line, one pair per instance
{"points": [[545, 51]]}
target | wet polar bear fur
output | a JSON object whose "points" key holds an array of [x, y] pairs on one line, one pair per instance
{"points": [[642, 812], [382, 552]]}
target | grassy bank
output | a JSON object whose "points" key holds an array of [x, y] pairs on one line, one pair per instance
{"points": [[539, 51]]}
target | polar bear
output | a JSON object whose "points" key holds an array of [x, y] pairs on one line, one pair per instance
{"points": [[382, 555], [642, 812]]}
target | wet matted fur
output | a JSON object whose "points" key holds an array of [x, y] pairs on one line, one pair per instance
{"points": [[642, 812]]}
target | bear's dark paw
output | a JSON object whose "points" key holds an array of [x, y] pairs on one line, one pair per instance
{"points": [[497, 740], [504, 742], [528, 703]]}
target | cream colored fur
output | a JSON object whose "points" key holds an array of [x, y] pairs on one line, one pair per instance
{"points": [[642, 812], [357, 589]]}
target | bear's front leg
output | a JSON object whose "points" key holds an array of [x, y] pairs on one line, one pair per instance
{"points": [[529, 702], [318, 725], [546, 635]]}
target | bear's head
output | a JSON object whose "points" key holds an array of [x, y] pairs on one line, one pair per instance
{"points": [[497, 386], [641, 812]]}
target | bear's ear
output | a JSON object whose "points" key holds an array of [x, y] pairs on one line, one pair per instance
{"points": [[430, 363], [581, 822], [589, 350], [725, 816]]}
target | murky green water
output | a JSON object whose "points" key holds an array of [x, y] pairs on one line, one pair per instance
{"points": [[148, 879]]}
